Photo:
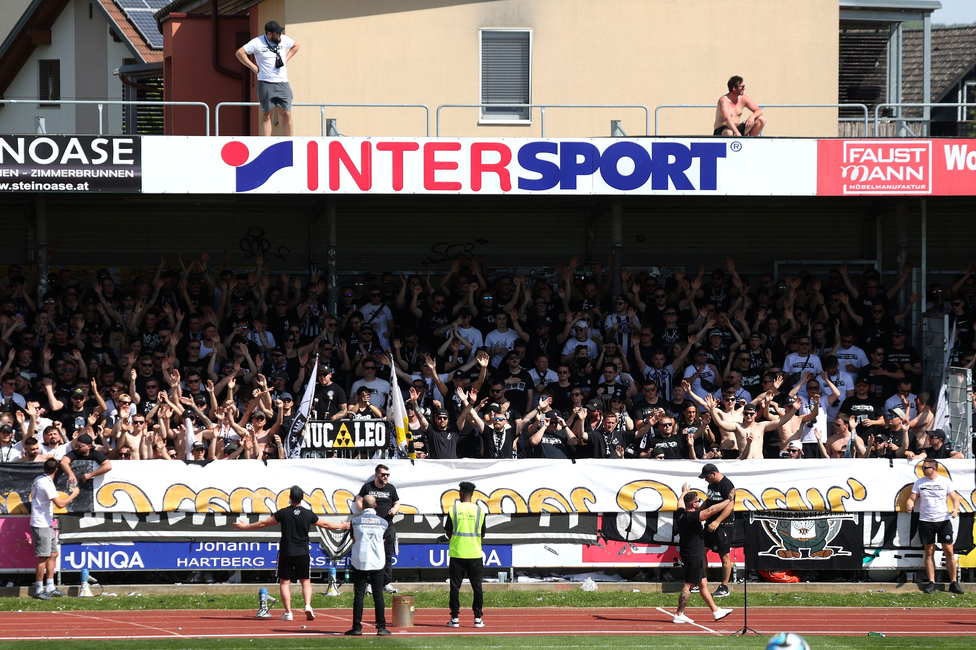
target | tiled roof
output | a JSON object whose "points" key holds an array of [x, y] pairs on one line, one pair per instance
{"points": [[953, 57], [126, 31]]}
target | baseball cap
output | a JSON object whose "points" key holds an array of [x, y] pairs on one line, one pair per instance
{"points": [[715, 332], [6, 428], [199, 445], [273, 27], [363, 389], [85, 439], [937, 433], [459, 374], [285, 396], [594, 405], [896, 412], [440, 412], [708, 469], [582, 323], [494, 407], [77, 392], [795, 444], [749, 408]]}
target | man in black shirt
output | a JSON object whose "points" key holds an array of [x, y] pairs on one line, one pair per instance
{"points": [[718, 535], [85, 451], [294, 561], [691, 547], [442, 435], [387, 506]]}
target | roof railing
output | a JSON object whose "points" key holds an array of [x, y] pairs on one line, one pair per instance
{"points": [[101, 103], [322, 108], [863, 107], [543, 107], [902, 118]]}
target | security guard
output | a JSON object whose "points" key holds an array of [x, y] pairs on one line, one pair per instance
{"points": [[465, 528]]}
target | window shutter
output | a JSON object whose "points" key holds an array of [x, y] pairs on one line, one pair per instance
{"points": [[49, 81], [505, 73]]}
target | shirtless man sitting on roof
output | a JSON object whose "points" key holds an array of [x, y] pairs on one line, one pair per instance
{"points": [[728, 114]]}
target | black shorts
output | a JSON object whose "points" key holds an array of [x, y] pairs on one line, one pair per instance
{"points": [[694, 568], [930, 532], [294, 567], [720, 541], [719, 130], [811, 450]]}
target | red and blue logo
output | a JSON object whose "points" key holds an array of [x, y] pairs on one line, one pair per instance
{"points": [[254, 174]]}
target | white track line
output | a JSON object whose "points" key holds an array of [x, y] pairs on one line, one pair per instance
{"points": [[89, 615], [664, 611]]}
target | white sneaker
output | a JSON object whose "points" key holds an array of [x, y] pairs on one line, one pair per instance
{"points": [[369, 590], [287, 616], [309, 614], [681, 618], [479, 623], [719, 614], [454, 623], [390, 589]]}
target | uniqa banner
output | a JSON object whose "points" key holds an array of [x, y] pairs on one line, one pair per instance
{"points": [[515, 486]]}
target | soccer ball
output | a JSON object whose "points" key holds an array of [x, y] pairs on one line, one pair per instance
{"points": [[787, 641]]}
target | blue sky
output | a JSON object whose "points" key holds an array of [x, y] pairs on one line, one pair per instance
{"points": [[955, 12]]}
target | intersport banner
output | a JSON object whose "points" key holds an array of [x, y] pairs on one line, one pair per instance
{"points": [[896, 167], [704, 166], [515, 486]]}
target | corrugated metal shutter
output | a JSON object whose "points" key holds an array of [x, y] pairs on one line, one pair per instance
{"points": [[16, 219], [504, 72]]}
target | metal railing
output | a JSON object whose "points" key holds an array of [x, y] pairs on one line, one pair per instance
{"points": [[322, 108], [867, 117], [926, 120], [543, 107], [101, 103]]}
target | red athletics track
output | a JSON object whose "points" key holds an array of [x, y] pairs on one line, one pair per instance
{"points": [[162, 624]]}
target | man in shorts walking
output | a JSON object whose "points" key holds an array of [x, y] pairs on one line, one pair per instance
{"points": [[271, 53], [293, 557], [933, 520], [43, 498], [692, 550]]}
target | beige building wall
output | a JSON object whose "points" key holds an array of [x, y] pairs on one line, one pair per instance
{"points": [[648, 52]]}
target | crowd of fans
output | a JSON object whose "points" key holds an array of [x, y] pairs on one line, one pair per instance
{"points": [[202, 360]]}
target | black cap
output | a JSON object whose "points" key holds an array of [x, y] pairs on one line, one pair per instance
{"points": [[937, 433], [199, 445], [707, 469], [363, 389], [230, 448], [494, 407], [85, 439], [440, 412], [6, 428], [77, 392], [749, 408], [594, 405], [459, 374], [273, 27]]}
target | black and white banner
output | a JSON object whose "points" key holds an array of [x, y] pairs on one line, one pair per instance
{"points": [[784, 540], [70, 163], [16, 480]]}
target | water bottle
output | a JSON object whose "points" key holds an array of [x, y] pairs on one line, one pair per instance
{"points": [[876, 633], [263, 599], [84, 576], [332, 575], [345, 577]]}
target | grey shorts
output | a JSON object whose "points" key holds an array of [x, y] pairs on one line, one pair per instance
{"points": [[271, 94], [45, 541]]}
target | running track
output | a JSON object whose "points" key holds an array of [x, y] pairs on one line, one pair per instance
{"points": [[161, 624]]}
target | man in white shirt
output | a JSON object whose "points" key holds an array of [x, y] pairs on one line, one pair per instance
{"points": [[43, 498], [933, 520], [271, 52], [379, 388]]}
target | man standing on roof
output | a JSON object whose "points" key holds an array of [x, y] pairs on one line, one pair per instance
{"points": [[271, 53]]}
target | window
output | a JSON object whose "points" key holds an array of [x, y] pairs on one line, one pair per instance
{"points": [[49, 81], [506, 58]]}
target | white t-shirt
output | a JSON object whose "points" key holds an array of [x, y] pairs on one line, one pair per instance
{"points": [[570, 347], [932, 495], [548, 377], [844, 381], [10, 454], [799, 363], [819, 422], [379, 387], [57, 451], [473, 336], [894, 402], [42, 506], [265, 58], [505, 342], [696, 387], [855, 356], [379, 318]]}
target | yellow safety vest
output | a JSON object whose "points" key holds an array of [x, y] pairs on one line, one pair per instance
{"points": [[468, 519]]}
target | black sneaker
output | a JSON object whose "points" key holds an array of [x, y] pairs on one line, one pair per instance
{"points": [[929, 588], [721, 592], [955, 588], [383, 632], [353, 632], [42, 595]]}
